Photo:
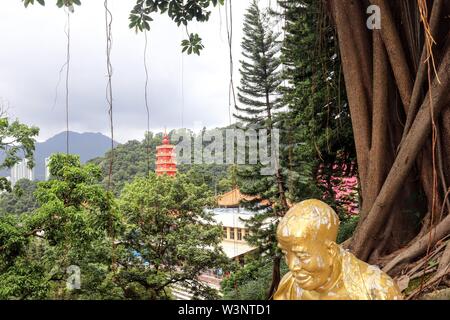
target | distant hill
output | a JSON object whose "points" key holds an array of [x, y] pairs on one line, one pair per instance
{"points": [[87, 145], [130, 161]]}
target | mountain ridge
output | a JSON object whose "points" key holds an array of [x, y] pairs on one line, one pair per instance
{"points": [[88, 145]]}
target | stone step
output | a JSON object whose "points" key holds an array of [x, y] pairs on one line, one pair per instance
{"points": [[181, 293]]}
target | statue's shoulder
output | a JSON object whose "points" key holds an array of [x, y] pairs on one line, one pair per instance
{"points": [[352, 276], [367, 282], [380, 285]]}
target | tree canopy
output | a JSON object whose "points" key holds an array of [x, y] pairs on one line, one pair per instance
{"points": [[17, 141], [170, 236], [155, 235]]}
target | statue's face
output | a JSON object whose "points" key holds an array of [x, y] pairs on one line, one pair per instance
{"points": [[310, 262]]}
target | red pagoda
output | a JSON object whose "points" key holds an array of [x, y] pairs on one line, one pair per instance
{"points": [[165, 158]]}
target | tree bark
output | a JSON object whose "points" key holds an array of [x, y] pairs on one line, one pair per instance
{"points": [[276, 277], [395, 52], [444, 263], [421, 75], [395, 166], [378, 165], [445, 142], [355, 53], [420, 246], [366, 234]]}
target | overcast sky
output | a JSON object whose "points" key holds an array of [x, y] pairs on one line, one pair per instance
{"points": [[33, 50]]}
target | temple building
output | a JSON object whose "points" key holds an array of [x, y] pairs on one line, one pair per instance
{"points": [[231, 215], [234, 229], [165, 158]]}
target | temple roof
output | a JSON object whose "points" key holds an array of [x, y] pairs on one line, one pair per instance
{"points": [[233, 198]]}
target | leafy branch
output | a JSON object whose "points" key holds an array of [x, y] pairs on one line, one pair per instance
{"points": [[179, 12], [59, 3]]}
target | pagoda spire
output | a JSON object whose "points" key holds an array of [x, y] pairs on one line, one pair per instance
{"points": [[165, 138]]}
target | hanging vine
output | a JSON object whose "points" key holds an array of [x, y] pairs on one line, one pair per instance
{"points": [[182, 90], [430, 61], [66, 66], [147, 107], [109, 90], [109, 99], [67, 81], [229, 26]]}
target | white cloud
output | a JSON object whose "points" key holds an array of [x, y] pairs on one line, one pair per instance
{"points": [[33, 50]]}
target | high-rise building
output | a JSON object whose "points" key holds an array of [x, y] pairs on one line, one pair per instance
{"points": [[165, 158], [4, 190], [21, 171], [47, 168]]}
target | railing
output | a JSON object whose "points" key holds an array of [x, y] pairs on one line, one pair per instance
{"points": [[166, 162]]}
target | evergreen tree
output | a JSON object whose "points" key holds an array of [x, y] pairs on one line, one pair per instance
{"points": [[318, 131], [260, 70], [259, 94], [316, 136]]}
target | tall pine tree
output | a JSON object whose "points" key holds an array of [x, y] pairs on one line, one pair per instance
{"points": [[261, 103], [260, 98], [316, 136], [260, 71]]}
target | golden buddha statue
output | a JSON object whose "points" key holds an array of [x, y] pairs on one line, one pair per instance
{"points": [[319, 268]]}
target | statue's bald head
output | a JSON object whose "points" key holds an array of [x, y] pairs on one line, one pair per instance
{"points": [[309, 219]]}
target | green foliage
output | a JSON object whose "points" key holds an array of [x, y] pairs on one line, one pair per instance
{"points": [[16, 139], [170, 237], [225, 184], [70, 227], [130, 161], [260, 74], [346, 228], [258, 92], [316, 135], [179, 12], [260, 98], [216, 177], [5, 184], [318, 131], [21, 200], [157, 235], [250, 282], [194, 44], [59, 3], [28, 2]]}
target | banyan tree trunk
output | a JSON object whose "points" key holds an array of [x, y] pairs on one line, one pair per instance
{"points": [[398, 86]]}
